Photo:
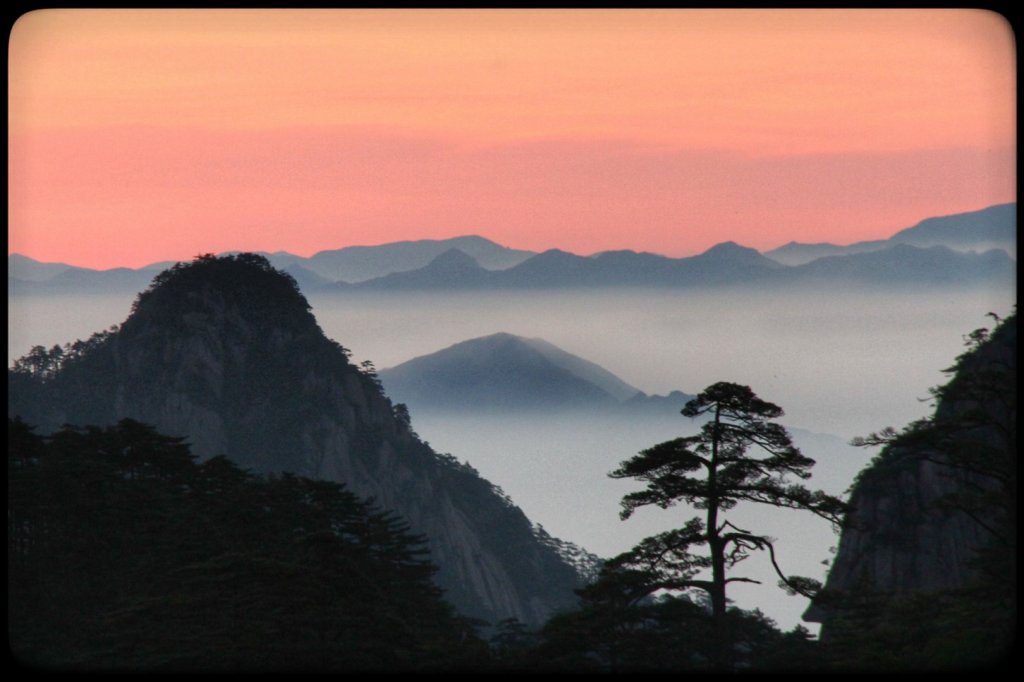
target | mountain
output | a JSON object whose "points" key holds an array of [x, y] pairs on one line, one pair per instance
{"points": [[504, 373], [725, 263], [452, 269], [501, 372], [30, 270], [584, 369], [361, 263], [936, 508], [304, 277], [27, 275], [904, 264], [472, 262], [225, 352], [994, 227]]}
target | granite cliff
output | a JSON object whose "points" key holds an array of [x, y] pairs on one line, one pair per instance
{"points": [[941, 494]]}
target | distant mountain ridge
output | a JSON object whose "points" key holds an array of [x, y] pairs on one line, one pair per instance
{"points": [[994, 227], [974, 248], [361, 263], [725, 265]]}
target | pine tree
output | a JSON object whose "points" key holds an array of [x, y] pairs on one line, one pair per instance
{"points": [[739, 455]]}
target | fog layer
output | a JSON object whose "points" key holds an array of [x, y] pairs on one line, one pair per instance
{"points": [[839, 363]]}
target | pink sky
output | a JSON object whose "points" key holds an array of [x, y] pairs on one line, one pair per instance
{"points": [[144, 135]]}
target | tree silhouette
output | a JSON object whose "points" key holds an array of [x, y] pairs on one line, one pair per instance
{"points": [[738, 456]]}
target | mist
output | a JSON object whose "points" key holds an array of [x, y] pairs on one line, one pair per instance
{"points": [[840, 363], [837, 362]]}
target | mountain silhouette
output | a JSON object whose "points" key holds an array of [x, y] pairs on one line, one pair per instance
{"points": [[361, 263], [435, 265], [497, 372], [556, 269], [452, 269], [992, 227], [226, 352], [30, 270], [904, 264], [995, 226], [505, 373]]}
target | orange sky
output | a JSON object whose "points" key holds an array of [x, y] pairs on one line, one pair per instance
{"points": [[145, 135]]}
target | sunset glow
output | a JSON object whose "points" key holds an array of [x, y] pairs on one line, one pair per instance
{"points": [[144, 135]]}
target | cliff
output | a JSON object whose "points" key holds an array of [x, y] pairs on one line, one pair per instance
{"points": [[941, 492], [226, 352]]}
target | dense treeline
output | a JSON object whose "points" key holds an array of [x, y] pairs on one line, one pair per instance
{"points": [[125, 553]]}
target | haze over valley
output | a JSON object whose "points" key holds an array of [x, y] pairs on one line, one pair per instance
{"points": [[841, 360]]}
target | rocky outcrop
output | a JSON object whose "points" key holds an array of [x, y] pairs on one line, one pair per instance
{"points": [[225, 352], [900, 539], [942, 491]]}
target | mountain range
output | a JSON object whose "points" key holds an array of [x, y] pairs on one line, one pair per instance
{"points": [[978, 247], [994, 227]]}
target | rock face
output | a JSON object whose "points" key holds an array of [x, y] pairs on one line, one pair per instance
{"points": [[225, 352], [928, 503], [902, 541]]}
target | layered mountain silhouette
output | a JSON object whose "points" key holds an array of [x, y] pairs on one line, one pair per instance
{"points": [[225, 352], [727, 263], [963, 249], [905, 264], [994, 227], [453, 268], [27, 274], [512, 374], [360, 263]]}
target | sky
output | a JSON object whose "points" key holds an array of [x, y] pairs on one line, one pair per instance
{"points": [[138, 136]]}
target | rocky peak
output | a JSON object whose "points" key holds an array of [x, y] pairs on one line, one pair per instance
{"points": [[226, 352]]}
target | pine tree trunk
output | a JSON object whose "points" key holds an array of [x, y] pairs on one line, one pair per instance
{"points": [[717, 549]]}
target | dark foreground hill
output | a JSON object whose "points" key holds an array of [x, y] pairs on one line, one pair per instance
{"points": [[225, 352]]}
